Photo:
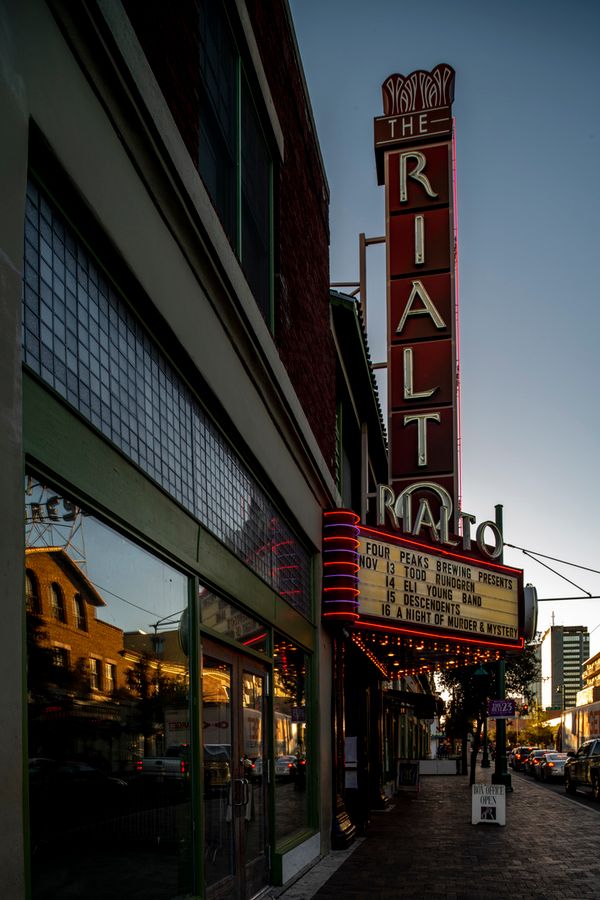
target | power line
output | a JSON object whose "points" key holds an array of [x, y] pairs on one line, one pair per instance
{"points": [[534, 553]]}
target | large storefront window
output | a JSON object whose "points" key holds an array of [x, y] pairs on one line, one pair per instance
{"points": [[108, 710], [291, 738], [84, 341]]}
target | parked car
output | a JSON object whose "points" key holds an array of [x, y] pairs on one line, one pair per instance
{"points": [[533, 760], [551, 767], [286, 767], [582, 769], [519, 756], [70, 793]]}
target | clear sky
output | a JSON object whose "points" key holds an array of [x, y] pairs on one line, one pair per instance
{"points": [[527, 108]]}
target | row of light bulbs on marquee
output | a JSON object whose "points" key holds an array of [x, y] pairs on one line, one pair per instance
{"points": [[450, 655]]}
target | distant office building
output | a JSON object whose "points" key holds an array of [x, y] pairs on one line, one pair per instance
{"points": [[564, 650], [536, 686]]}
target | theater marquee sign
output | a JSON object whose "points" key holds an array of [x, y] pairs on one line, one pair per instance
{"points": [[406, 583]]}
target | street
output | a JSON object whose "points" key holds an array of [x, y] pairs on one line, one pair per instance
{"points": [[581, 796]]}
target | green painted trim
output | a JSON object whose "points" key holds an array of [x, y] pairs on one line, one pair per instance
{"points": [[278, 855], [196, 739], [61, 446]]}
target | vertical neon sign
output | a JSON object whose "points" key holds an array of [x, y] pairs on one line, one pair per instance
{"points": [[414, 151]]}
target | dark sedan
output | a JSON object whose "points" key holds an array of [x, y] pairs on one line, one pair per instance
{"points": [[533, 761]]}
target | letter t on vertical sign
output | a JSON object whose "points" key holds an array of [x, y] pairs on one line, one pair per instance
{"points": [[413, 149]]}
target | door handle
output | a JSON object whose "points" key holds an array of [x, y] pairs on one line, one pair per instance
{"points": [[246, 786], [237, 793]]}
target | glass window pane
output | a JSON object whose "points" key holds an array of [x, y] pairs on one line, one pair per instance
{"points": [[256, 205], [228, 620], [253, 743], [218, 115], [217, 744], [108, 711], [290, 730]]}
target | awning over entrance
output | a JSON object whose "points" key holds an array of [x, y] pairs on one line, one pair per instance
{"points": [[397, 655]]}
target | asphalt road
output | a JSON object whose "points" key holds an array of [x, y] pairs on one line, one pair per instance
{"points": [[557, 787]]}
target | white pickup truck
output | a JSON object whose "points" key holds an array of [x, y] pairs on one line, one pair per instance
{"points": [[173, 768]]}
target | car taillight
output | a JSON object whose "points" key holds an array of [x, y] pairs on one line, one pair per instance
{"points": [[138, 765], [183, 767], [550, 764], [517, 755]]}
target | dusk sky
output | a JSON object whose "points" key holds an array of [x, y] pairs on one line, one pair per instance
{"points": [[528, 170]]}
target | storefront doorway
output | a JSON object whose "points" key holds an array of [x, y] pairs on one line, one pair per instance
{"points": [[234, 746]]}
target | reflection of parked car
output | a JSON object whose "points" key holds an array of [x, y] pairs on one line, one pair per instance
{"points": [[72, 788], [286, 766], [552, 766], [73, 777], [172, 768], [255, 769], [71, 795], [217, 766]]}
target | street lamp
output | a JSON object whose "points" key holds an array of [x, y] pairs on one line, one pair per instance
{"points": [[485, 759]]}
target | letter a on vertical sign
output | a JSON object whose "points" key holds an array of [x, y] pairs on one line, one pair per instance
{"points": [[414, 152]]}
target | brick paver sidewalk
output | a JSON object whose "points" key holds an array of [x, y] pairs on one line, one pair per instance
{"points": [[426, 847]]}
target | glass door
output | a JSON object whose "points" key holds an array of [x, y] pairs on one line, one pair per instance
{"points": [[234, 692]]}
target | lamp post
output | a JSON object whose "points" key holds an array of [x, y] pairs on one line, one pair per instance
{"points": [[501, 775], [485, 759]]}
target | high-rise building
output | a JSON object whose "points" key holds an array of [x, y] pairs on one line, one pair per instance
{"points": [[564, 649]]}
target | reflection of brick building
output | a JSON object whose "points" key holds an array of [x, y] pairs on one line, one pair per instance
{"points": [[63, 603]]}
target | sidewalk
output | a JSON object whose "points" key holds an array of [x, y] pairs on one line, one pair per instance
{"points": [[425, 848]]}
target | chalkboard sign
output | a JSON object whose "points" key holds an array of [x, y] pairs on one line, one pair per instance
{"points": [[408, 776]]}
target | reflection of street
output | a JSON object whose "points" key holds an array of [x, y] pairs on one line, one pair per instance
{"points": [[290, 806], [146, 834], [218, 850]]}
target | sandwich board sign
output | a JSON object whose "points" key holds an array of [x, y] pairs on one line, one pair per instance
{"points": [[488, 804]]}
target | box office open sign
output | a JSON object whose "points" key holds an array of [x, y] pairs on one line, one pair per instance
{"points": [[488, 804]]}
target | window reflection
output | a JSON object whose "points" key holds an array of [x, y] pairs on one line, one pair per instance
{"points": [[108, 714], [217, 750], [290, 737], [228, 620]]}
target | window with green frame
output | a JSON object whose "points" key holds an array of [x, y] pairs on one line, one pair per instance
{"points": [[202, 72], [233, 155]]}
